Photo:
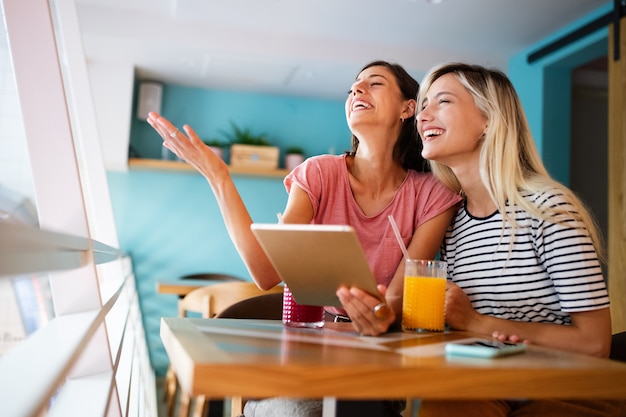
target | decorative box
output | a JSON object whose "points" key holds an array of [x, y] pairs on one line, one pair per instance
{"points": [[254, 156]]}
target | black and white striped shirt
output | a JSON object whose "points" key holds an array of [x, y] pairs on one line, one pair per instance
{"points": [[551, 269]]}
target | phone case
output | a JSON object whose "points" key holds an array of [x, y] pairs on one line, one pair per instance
{"points": [[484, 348]]}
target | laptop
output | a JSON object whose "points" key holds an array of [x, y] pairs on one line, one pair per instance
{"points": [[315, 260]]}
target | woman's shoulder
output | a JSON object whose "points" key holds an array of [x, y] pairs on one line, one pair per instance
{"points": [[427, 180], [547, 197], [318, 167], [422, 176], [325, 163], [327, 159]]}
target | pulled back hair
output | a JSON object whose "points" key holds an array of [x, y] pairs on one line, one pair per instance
{"points": [[510, 165], [407, 151]]}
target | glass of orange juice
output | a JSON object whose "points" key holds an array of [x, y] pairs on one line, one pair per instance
{"points": [[423, 305]]}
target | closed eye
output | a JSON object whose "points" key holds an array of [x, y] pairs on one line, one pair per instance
{"points": [[441, 101]]}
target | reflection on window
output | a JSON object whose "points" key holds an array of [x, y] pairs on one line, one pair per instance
{"points": [[16, 208], [25, 302], [15, 171], [26, 305]]}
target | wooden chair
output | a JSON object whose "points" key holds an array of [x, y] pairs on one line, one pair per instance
{"points": [[213, 276], [263, 307], [170, 380], [210, 277], [618, 347], [213, 299], [208, 302]]}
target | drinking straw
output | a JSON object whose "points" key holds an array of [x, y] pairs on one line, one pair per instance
{"points": [[398, 237]]}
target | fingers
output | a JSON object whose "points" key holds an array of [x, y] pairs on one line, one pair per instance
{"points": [[193, 136], [152, 117], [513, 338], [173, 138], [163, 127], [188, 146], [360, 306], [383, 289]]}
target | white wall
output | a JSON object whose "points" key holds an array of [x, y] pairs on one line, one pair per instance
{"points": [[112, 90]]}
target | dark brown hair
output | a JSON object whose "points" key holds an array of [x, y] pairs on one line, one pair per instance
{"points": [[408, 148]]}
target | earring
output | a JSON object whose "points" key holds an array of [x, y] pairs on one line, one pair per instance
{"points": [[402, 119]]}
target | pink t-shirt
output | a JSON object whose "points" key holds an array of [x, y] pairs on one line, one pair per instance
{"points": [[420, 198]]}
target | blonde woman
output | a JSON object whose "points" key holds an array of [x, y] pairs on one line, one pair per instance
{"points": [[524, 256]]}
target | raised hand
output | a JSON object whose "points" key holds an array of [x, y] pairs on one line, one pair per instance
{"points": [[188, 147]]}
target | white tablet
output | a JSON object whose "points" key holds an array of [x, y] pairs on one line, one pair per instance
{"points": [[315, 260]]}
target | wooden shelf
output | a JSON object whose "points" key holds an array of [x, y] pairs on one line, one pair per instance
{"points": [[162, 165]]}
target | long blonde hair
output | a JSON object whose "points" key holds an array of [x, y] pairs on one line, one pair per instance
{"points": [[510, 164]]}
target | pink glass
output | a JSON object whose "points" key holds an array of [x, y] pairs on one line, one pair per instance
{"points": [[298, 315]]}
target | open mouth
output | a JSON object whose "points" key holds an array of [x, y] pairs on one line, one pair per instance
{"points": [[432, 133], [360, 105]]}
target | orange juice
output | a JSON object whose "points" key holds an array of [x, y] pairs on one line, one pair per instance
{"points": [[423, 304]]}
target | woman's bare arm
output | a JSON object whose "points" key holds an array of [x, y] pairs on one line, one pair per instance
{"points": [[190, 148], [589, 333]]}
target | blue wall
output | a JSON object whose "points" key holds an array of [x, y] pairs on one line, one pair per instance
{"points": [[170, 224], [544, 88], [318, 126]]}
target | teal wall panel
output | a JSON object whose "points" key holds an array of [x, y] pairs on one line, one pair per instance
{"points": [[316, 125], [544, 88], [171, 226], [169, 222]]}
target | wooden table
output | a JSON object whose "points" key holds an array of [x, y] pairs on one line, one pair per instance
{"points": [[181, 287], [262, 358]]}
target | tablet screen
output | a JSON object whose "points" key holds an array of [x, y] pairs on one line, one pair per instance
{"points": [[315, 260]]}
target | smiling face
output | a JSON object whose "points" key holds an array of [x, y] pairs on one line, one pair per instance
{"points": [[375, 99], [450, 123]]}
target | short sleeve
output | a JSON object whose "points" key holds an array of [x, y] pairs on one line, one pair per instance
{"points": [[317, 175]]}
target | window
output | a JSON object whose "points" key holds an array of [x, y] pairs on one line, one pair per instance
{"points": [[19, 295], [72, 325]]}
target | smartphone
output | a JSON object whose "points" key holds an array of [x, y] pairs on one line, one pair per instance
{"points": [[484, 348]]}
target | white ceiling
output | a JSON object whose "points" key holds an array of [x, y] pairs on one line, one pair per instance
{"points": [[311, 47]]}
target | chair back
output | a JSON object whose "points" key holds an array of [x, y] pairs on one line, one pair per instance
{"points": [[213, 276], [618, 347], [264, 307], [212, 299]]}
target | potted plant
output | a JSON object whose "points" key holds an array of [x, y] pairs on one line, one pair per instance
{"points": [[294, 156], [250, 150], [244, 136]]}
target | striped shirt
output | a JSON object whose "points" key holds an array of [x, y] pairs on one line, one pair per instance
{"points": [[550, 270]]}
